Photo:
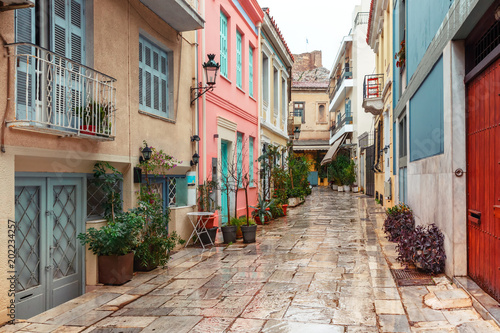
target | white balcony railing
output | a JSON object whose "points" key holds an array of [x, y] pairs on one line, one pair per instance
{"points": [[56, 95]]}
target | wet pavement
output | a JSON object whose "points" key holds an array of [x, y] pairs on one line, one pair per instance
{"points": [[319, 270]]}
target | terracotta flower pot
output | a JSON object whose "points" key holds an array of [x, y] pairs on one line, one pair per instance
{"points": [[116, 269], [210, 221], [285, 206], [87, 129]]}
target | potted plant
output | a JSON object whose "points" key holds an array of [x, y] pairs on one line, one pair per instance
{"points": [[249, 231], [229, 233], [114, 244], [355, 188], [349, 175], [206, 202], [94, 118], [262, 210], [238, 222]]}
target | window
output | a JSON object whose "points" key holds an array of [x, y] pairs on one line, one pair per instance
{"points": [[239, 158], [96, 197], [238, 60], [223, 45], [265, 79], [276, 91], [153, 79], [298, 110], [321, 113], [348, 108], [172, 189], [283, 100], [250, 161], [250, 71], [402, 142]]}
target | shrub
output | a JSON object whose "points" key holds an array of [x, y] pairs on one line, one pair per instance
{"points": [[424, 247], [399, 221]]}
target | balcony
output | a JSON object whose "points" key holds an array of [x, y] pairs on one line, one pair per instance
{"points": [[343, 85], [294, 121], [179, 14], [373, 86], [340, 126], [55, 95]]}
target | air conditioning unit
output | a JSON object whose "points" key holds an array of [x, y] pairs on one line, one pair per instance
{"points": [[6, 5], [388, 189]]}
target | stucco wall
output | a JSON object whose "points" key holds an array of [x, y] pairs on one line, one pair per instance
{"points": [[311, 129]]}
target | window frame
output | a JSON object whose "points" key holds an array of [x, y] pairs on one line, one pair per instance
{"points": [[164, 97], [223, 47], [250, 70], [239, 59]]}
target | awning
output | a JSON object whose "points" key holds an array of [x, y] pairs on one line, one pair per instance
{"points": [[332, 152]]}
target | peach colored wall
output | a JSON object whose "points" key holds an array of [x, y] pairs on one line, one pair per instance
{"points": [[227, 100], [115, 52], [312, 129]]}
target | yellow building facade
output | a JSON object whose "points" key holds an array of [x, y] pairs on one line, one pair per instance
{"points": [[377, 98]]}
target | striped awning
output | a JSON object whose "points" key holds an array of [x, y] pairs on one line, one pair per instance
{"points": [[332, 152]]}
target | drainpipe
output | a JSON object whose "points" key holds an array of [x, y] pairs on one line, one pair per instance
{"points": [[259, 90], [196, 108], [7, 105], [204, 106]]}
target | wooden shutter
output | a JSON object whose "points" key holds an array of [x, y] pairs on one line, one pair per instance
{"points": [[238, 60], [239, 157], [250, 71], [348, 109], [223, 44], [250, 161], [25, 33]]}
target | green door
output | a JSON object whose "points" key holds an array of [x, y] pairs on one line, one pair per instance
{"points": [[49, 259], [224, 201]]}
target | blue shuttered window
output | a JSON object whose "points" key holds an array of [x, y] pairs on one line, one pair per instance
{"points": [[239, 80], [239, 157], [250, 163], [223, 45], [348, 109], [153, 79], [250, 71]]}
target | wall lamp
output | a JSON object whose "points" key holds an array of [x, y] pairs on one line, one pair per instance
{"points": [[195, 160], [195, 138], [296, 133], [211, 67], [146, 154]]}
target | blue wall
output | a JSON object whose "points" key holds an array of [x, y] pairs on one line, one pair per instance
{"points": [[426, 116], [424, 17]]}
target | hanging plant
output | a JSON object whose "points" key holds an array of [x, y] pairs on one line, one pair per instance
{"points": [[159, 163], [401, 55]]}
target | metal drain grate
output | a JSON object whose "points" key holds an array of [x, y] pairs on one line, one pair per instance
{"points": [[412, 277]]}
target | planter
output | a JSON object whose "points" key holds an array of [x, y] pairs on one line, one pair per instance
{"points": [[355, 189], [229, 234], [116, 269], [340, 188], [239, 233], [285, 206], [139, 267], [210, 221], [335, 187], [347, 188], [292, 202], [87, 129], [257, 220], [212, 232], [249, 233]]}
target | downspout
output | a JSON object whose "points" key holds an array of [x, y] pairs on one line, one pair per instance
{"points": [[196, 106], [204, 106], [7, 104], [259, 91]]}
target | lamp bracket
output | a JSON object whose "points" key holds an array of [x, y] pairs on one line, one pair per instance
{"points": [[199, 91]]}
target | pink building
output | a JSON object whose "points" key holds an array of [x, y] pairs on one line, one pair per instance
{"points": [[228, 116]]}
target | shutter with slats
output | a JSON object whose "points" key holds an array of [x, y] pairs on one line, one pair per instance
{"points": [[25, 33], [239, 166], [223, 44], [238, 60], [250, 71], [153, 78], [348, 108], [250, 161]]}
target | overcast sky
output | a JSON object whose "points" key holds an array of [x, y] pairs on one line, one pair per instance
{"points": [[321, 22]]}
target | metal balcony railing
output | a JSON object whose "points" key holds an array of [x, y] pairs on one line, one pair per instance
{"points": [[56, 95], [339, 123], [373, 86], [346, 73]]}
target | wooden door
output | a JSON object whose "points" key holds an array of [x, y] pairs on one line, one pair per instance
{"points": [[483, 179]]}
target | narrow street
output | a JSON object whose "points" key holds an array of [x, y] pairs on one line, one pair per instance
{"points": [[321, 269]]}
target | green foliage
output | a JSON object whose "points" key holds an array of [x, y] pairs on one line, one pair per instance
{"points": [[155, 242], [159, 163], [206, 201], [115, 238], [113, 202], [261, 210]]}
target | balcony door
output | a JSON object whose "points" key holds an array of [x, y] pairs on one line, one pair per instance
{"points": [[51, 88]]}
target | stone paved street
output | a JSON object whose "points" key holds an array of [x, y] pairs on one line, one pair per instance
{"points": [[319, 270]]}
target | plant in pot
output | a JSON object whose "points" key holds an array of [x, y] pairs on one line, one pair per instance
{"points": [[349, 175], [155, 241], [94, 118], [114, 244], [262, 210], [207, 203]]}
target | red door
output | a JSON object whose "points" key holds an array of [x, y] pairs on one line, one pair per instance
{"points": [[483, 179]]}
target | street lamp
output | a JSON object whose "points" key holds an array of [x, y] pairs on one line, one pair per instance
{"points": [[211, 67], [296, 133], [195, 160]]}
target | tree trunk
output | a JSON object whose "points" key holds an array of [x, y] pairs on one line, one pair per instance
{"points": [[246, 200]]}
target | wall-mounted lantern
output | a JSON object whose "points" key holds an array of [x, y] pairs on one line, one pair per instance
{"points": [[211, 67]]}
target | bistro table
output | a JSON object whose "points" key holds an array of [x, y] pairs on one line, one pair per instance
{"points": [[199, 225]]}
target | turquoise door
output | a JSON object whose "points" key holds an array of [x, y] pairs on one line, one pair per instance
{"points": [[224, 202], [49, 258]]}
